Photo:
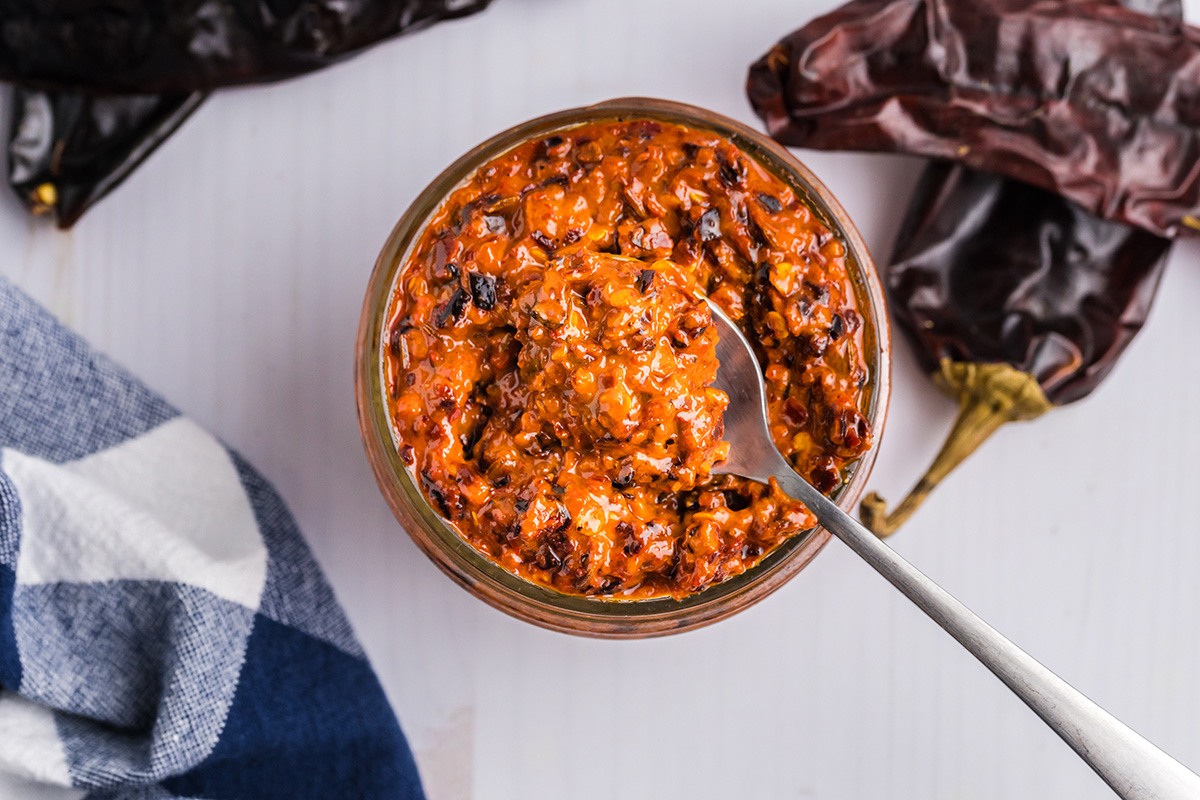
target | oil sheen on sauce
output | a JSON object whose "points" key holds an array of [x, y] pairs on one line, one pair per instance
{"points": [[550, 357]]}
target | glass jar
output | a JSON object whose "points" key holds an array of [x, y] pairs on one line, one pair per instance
{"points": [[541, 605]]}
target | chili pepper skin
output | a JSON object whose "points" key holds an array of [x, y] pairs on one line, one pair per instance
{"points": [[181, 46], [67, 150], [1015, 300], [1088, 99], [988, 270]]}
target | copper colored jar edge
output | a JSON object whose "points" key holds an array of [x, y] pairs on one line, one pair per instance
{"points": [[617, 619]]}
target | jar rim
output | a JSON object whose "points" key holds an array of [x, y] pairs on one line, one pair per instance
{"points": [[520, 597]]}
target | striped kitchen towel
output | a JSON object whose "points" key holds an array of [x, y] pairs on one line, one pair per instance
{"points": [[164, 630]]}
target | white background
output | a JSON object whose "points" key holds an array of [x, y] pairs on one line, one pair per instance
{"points": [[229, 272]]}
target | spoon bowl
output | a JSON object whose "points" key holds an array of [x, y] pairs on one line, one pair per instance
{"points": [[752, 453]]}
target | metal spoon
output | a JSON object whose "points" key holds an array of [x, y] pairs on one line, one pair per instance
{"points": [[1132, 766]]}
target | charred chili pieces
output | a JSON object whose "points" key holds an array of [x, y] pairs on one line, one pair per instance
{"points": [[563, 421], [104, 83], [1015, 300], [1088, 99]]}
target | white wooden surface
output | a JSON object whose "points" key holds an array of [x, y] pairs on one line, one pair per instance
{"points": [[228, 273]]}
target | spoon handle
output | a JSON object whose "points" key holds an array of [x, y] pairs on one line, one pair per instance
{"points": [[1132, 766]]}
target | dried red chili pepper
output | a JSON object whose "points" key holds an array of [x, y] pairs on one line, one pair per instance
{"points": [[104, 83], [1091, 100], [1016, 299]]}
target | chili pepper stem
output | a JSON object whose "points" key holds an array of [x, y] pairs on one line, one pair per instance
{"points": [[989, 395]]}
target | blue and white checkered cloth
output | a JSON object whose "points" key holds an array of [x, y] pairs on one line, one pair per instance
{"points": [[164, 631]]}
